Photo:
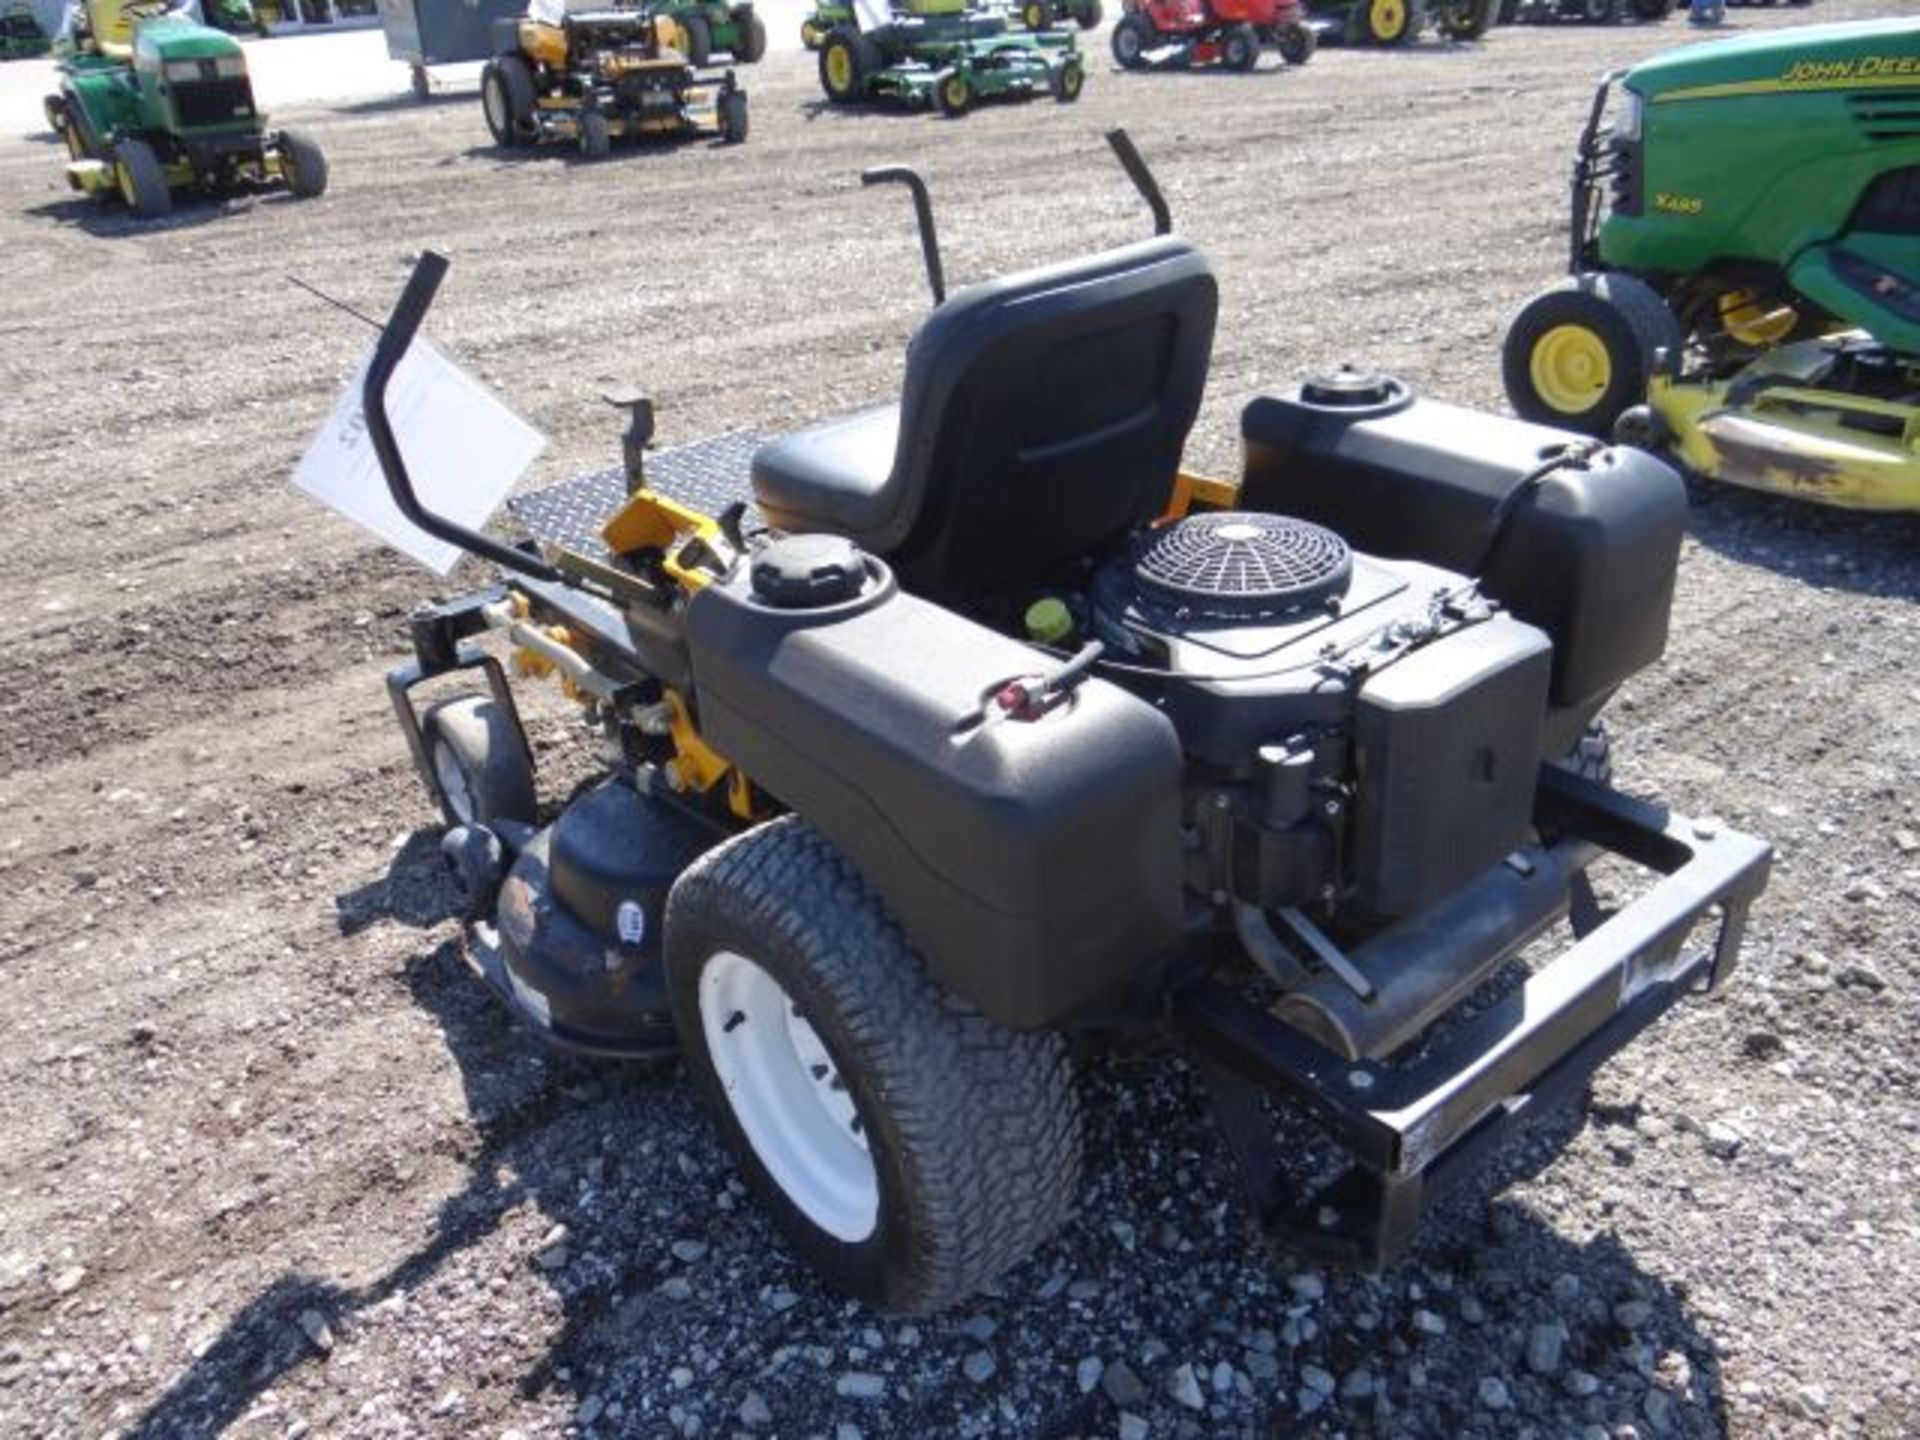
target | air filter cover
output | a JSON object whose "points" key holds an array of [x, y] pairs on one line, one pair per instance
{"points": [[1236, 565]]}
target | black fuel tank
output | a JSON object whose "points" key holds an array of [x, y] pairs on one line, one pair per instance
{"points": [[1588, 554], [1035, 862]]}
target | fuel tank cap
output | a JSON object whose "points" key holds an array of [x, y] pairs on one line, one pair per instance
{"points": [[803, 572], [1351, 389]]}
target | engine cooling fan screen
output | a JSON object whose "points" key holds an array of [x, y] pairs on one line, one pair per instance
{"points": [[1236, 565]]}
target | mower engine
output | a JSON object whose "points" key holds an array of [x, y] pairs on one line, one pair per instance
{"points": [[1284, 657]]}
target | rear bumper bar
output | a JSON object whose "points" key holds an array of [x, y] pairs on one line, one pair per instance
{"points": [[1412, 1129]]}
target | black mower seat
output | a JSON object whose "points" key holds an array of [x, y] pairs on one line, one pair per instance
{"points": [[834, 474], [1042, 416]]}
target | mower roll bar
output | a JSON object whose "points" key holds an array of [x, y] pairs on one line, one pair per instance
{"points": [[395, 337], [1135, 165], [923, 216], [1130, 160]]}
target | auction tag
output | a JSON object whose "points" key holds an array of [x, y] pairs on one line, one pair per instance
{"points": [[464, 451]]}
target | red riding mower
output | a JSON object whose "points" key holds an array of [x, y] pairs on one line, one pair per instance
{"points": [[1183, 34]]}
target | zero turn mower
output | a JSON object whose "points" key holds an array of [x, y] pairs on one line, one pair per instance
{"points": [[152, 102], [587, 72], [947, 732], [1188, 34], [1399, 22], [1745, 269], [945, 54]]}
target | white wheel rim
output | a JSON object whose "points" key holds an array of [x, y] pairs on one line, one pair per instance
{"points": [[784, 1088], [453, 784]]}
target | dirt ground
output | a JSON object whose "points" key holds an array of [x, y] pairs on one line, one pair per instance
{"points": [[270, 1163]]}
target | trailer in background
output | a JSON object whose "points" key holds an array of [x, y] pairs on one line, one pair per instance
{"points": [[442, 32]]}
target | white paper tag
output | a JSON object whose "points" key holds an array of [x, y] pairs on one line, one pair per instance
{"points": [[464, 451]]}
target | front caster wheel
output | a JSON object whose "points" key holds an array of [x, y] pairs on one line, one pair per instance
{"points": [[481, 765], [909, 1148]]}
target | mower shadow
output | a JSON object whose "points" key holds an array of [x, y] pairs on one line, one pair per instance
{"points": [[621, 1158], [564, 154], [407, 100], [1853, 550], [110, 221]]}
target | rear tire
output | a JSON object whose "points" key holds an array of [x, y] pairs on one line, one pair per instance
{"points": [[1652, 10], [142, 180], [1583, 352], [507, 99], [1037, 15], [1090, 17], [302, 165], [1600, 12], [1386, 22], [846, 60], [699, 37], [482, 769], [752, 48], [1132, 38], [909, 1148], [1298, 44]]}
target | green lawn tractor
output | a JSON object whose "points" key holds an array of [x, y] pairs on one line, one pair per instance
{"points": [[21, 37], [953, 740], [586, 72], [152, 103], [945, 54], [1399, 22], [709, 26], [1745, 267]]}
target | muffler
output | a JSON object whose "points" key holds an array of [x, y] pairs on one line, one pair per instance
{"points": [[1394, 985]]}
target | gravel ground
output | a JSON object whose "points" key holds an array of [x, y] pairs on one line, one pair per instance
{"points": [[270, 1163]]}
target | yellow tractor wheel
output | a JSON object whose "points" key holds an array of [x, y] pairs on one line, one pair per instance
{"points": [[840, 70], [1581, 354], [953, 95], [1570, 368], [1387, 22]]}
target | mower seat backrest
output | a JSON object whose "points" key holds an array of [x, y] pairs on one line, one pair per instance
{"points": [[1042, 417]]}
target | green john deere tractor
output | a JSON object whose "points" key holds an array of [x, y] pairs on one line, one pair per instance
{"points": [[708, 26], [942, 53], [151, 103], [1744, 287]]}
